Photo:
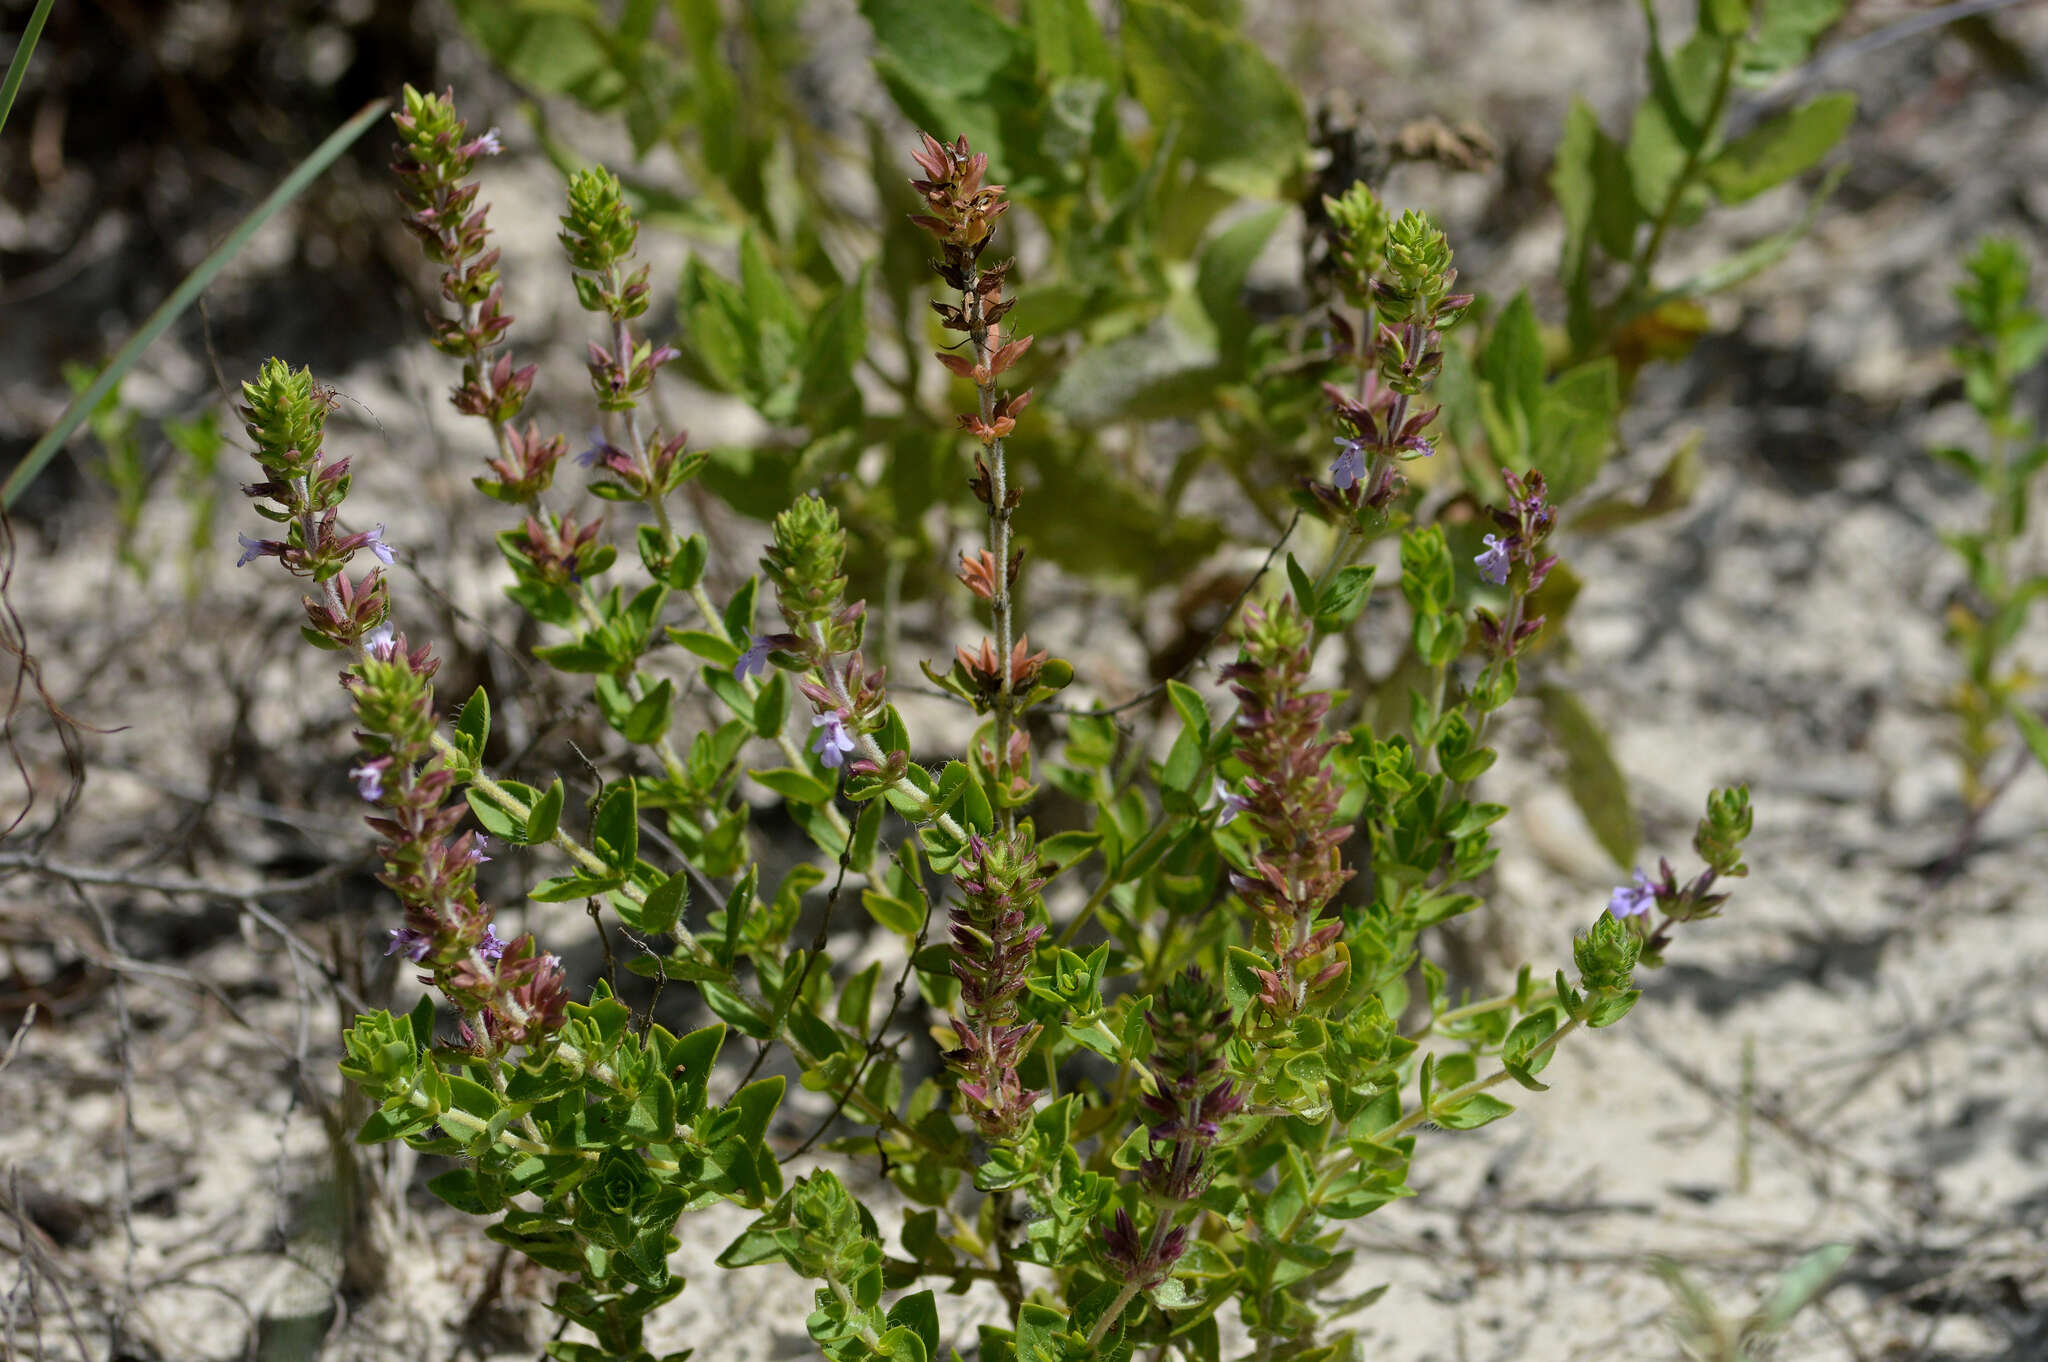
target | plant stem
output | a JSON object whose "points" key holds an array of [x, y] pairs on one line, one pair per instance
{"points": [[1001, 609]]}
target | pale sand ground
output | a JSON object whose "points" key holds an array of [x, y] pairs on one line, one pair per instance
{"points": [[1784, 631]]}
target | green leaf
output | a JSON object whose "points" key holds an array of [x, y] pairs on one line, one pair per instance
{"points": [[473, 727], [739, 611], [648, 720], [712, 648], [1348, 592], [546, 814], [1239, 117], [1193, 710], [1725, 18], [2034, 731], [1798, 1288], [1241, 981], [790, 783], [586, 656], [958, 785], [496, 821], [463, 1189], [569, 888], [919, 1313], [1513, 362], [953, 49], [1784, 36], [558, 46], [1477, 1110], [1575, 430], [615, 831], [1591, 776], [665, 903], [1780, 149], [771, 706], [1220, 274], [833, 346], [1669, 125], [1067, 42]]}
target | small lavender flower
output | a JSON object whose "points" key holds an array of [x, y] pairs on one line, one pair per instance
{"points": [[600, 449], [381, 642], [833, 741], [252, 549], [1230, 804], [374, 542], [1630, 900], [492, 947], [1349, 468], [754, 662], [404, 940], [369, 779], [1493, 563], [477, 857]]}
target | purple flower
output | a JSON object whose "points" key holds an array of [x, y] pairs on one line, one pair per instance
{"points": [[491, 947], [476, 854], [369, 778], [252, 549], [1349, 468], [490, 144], [381, 642], [833, 741], [1231, 805], [414, 945], [1493, 563], [1632, 899], [373, 540], [754, 661], [600, 450]]}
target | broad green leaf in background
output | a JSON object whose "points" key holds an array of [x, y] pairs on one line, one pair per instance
{"points": [[1219, 277], [1671, 125], [1575, 428], [1067, 42], [957, 68], [1591, 776], [1240, 117], [1780, 149], [557, 46], [1511, 365], [1785, 33]]}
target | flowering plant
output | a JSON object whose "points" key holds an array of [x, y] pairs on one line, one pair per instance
{"points": [[1184, 1039], [1147, 300], [2007, 338]]}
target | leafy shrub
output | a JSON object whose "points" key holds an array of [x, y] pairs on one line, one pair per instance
{"points": [[1163, 1098]]}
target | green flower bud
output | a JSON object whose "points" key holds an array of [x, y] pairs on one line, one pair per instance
{"points": [[381, 1058], [285, 417], [805, 562], [1606, 955], [1419, 259], [1360, 223], [599, 230], [1721, 833]]}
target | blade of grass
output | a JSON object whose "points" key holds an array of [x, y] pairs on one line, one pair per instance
{"points": [[186, 294], [18, 67]]}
